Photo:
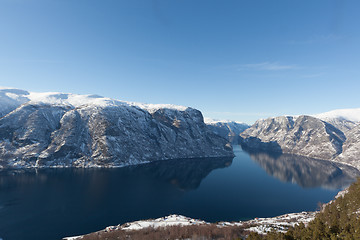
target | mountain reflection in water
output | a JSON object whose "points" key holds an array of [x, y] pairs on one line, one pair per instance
{"points": [[74, 201], [53, 203], [304, 171], [184, 174]]}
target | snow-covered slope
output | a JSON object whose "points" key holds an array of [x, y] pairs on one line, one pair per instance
{"points": [[71, 130], [259, 225], [351, 148], [352, 114], [226, 128], [343, 119], [303, 135], [11, 98], [336, 136]]}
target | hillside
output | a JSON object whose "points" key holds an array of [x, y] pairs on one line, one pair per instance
{"points": [[332, 138], [71, 130]]}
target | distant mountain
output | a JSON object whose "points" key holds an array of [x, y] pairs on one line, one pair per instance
{"points": [[303, 135], [343, 119], [70, 130], [332, 136], [351, 114], [227, 129]]}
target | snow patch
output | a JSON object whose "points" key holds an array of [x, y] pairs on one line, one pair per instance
{"points": [[16, 97], [72, 238], [172, 220], [212, 121], [351, 114], [151, 108]]}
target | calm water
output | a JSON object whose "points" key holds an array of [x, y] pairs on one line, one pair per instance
{"points": [[51, 204]]}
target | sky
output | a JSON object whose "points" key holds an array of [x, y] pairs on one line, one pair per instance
{"points": [[239, 60]]}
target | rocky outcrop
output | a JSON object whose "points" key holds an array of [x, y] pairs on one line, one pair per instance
{"points": [[67, 130], [303, 135]]}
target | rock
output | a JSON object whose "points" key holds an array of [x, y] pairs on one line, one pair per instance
{"points": [[303, 135], [351, 148], [68, 130]]}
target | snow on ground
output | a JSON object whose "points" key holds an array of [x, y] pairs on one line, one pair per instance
{"points": [[212, 121], [352, 114], [259, 225], [16, 97], [280, 223], [171, 220], [73, 238], [151, 108]]}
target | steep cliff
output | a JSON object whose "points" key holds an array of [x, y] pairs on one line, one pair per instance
{"points": [[69, 130], [303, 135]]}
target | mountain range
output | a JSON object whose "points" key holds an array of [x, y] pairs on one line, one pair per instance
{"points": [[71, 130]]}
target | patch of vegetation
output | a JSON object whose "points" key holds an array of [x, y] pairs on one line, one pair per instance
{"points": [[339, 219]]}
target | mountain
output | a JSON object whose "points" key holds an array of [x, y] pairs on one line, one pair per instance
{"points": [[333, 135], [351, 114], [303, 135], [71, 130], [343, 119], [351, 148], [227, 129]]}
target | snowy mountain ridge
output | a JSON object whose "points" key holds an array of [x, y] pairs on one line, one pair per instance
{"points": [[351, 114], [16, 97], [216, 121], [226, 128], [72, 130]]}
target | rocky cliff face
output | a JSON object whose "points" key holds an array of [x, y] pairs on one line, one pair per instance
{"points": [[342, 124], [351, 148], [303, 135], [67, 130]]}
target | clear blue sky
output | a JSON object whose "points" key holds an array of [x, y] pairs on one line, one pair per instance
{"points": [[239, 60]]}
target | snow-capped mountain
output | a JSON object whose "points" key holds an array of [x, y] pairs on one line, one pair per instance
{"points": [[351, 114], [343, 119], [303, 135], [228, 129], [71, 130], [336, 136]]}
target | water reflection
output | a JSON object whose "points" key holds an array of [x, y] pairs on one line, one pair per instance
{"points": [[52, 203], [185, 174], [304, 171]]}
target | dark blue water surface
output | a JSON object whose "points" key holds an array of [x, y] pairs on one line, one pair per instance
{"points": [[54, 203]]}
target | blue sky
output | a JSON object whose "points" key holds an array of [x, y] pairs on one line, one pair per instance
{"points": [[238, 60]]}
